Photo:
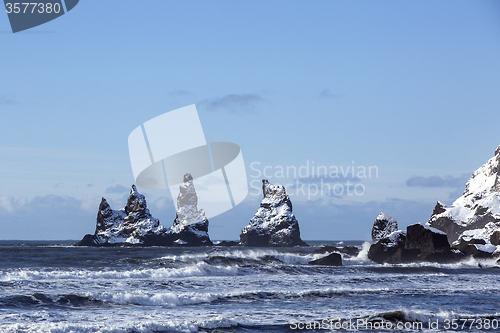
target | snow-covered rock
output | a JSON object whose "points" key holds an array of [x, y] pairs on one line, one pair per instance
{"points": [[478, 205], [190, 225], [274, 223], [383, 226], [385, 248], [134, 224], [418, 243], [130, 225], [480, 243]]}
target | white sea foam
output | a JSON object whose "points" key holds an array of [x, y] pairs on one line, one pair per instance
{"points": [[133, 327], [198, 269]]}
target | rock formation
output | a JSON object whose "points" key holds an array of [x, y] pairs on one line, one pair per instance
{"points": [[333, 259], [480, 243], [384, 249], [418, 243], [274, 223], [134, 225], [432, 244], [130, 225], [190, 225], [478, 205], [383, 226], [351, 251]]}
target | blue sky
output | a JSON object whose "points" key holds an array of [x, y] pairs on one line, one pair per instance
{"points": [[410, 87]]}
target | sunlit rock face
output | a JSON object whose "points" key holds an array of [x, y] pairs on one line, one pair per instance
{"points": [[274, 223], [478, 205]]}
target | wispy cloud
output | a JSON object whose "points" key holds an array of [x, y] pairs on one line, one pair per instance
{"points": [[117, 189], [234, 103], [180, 92], [438, 181], [8, 100], [327, 93]]}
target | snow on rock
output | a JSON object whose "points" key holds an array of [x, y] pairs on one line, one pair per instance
{"points": [[274, 223], [395, 238], [130, 225], [383, 226], [480, 243], [483, 234], [190, 225], [134, 224], [478, 205], [386, 248], [418, 243]]}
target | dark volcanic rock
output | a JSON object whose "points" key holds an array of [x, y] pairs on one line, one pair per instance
{"points": [[87, 240], [385, 248], [383, 226], [431, 243], [333, 259], [403, 256], [425, 239], [228, 243], [495, 238], [274, 223], [350, 250], [442, 256], [418, 243]]}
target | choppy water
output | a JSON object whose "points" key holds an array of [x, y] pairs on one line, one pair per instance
{"points": [[53, 287]]}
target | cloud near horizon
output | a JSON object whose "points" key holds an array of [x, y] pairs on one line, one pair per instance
{"points": [[119, 189], [53, 217], [438, 181]]}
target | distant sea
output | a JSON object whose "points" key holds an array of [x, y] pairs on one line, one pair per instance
{"points": [[55, 287]]}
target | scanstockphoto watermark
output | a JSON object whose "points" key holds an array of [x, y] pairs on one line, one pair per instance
{"points": [[312, 180], [357, 324]]}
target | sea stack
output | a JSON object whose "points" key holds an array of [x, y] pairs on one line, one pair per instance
{"points": [[274, 223], [383, 226], [131, 225], [478, 206], [134, 224], [190, 225]]}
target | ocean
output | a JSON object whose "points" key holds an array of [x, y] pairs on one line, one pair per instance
{"points": [[55, 287]]}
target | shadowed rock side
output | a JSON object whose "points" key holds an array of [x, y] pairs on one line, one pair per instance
{"points": [[134, 225], [333, 259], [478, 205], [418, 243], [274, 223]]}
